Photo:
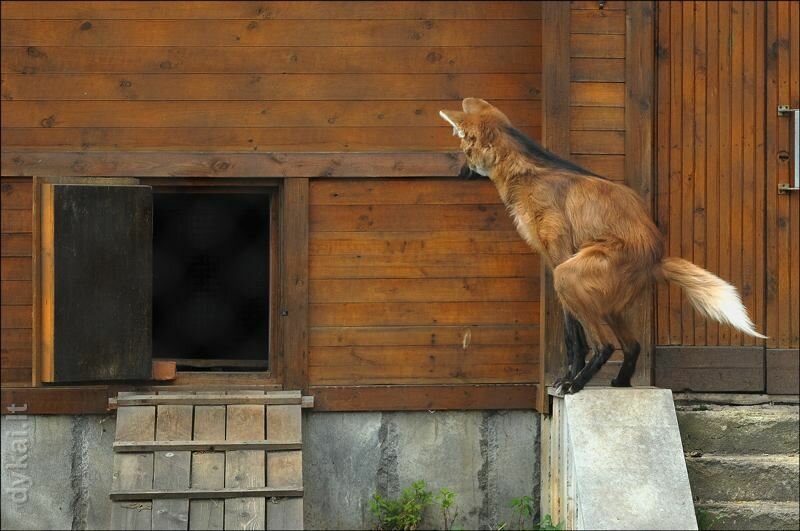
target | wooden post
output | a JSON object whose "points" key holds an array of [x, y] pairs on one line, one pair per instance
{"points": [[639, 161], [556, 138], [295, 296]]}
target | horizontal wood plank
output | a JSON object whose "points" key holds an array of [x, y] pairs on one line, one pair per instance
{"points": [[15, 268], [273, 60], [783, 371], [205, 446], [428, 373], [597, 119], [609, 166], [16, 244], [16, 221], [16, 194], [210, 399], [417, 243], [598, 142], [16, 292], [270, 32], [204, 494], [217, 114], [423, 266], [268, 87], [275, 164], [409, 218], [55, 401], [597, 94], [597, 21], [420, 357], [597, 46], [595, 69], [424, 398], [267, 139], [443, 192], [710, 369], [423, 335], [412, 313], [14, 339], [417, 290], [311, 10], [16, 358]]}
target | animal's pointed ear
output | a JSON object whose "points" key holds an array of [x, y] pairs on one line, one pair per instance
{"points": [[456, 119], [475, 105]]}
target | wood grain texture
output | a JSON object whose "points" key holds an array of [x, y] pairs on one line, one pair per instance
{"points": [[710, 159], [556, 138], [135, 470], [710, 369], [324, 66], [208, 468], [297, 319], [314, 10], [245, 468], [171, 469], [285, 469]]}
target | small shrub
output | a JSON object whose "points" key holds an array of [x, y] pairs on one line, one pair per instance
{"points": [[445, 499], [405, 513]]}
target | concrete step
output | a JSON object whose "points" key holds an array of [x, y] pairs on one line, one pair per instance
{"points": [[749, 515], [744, 478], [764, 429]]}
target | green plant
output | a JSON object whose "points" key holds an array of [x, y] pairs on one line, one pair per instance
{"points": [[523, 507], [705, 519], [405, 513], [546, 524], [445, 499]]}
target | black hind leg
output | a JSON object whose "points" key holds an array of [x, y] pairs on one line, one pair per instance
{"points": [[575, 339], [623, 379], [630, 347]]}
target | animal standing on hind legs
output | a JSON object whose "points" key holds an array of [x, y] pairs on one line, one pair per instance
{"points": [[596, 236]]}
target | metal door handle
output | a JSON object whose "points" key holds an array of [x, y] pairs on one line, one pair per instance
{"points": [[784, 110]]}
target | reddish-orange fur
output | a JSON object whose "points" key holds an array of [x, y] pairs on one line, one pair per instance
{"points": [[596, 235]]}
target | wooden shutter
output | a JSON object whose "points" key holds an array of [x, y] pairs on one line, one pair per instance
{"points": [[96, 281]]}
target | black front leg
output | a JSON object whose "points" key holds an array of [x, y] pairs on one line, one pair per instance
{"points": [[575, 340]]}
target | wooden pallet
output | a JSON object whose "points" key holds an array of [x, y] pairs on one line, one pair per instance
{"points": [[208, 461]]}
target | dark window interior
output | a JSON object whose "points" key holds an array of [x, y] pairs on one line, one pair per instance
{"points": [[211, 255]]}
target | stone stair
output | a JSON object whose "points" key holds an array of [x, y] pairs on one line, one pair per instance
{"points": [[743, 464]]}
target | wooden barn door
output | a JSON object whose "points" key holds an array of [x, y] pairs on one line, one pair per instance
{"points": [[722, 67], [783, 209]]}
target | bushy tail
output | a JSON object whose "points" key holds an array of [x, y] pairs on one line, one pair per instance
{"points": [[710, 295]]}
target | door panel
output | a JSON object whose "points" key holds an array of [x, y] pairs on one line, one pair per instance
{"points": [[783, 209], [96, 277]]}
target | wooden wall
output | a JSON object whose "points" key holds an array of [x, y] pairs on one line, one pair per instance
{"points": [[261, 76], [414, 278], [419, 282], [597, 87], [16, 318]]}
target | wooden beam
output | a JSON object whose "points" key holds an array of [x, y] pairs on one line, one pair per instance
{"points": [[204, 494], [639, 158], [556, 138], [205, 446], [295, 228], [424, 397], [55, 401], [228, 164], [271, 398]]}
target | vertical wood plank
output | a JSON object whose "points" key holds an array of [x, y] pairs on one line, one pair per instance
{"points": [[663, 105], [556, 138], [36, 237], [687, 160], [794, 221], [784, 241], [295, 249], [675, 177], [639, 130], [737, 133], [171, 469], [699, 138], [245, 468], [284, 469], [208, 468], [725, 152], [135, 470], [712, 154]]}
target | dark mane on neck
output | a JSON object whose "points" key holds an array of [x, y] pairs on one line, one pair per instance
{"points": [[543, 157]]}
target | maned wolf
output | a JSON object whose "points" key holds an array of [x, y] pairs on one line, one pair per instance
{"points": [[596, 235]]}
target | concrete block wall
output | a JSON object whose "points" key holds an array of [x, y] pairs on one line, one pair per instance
{"points": [[56, 470]]}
